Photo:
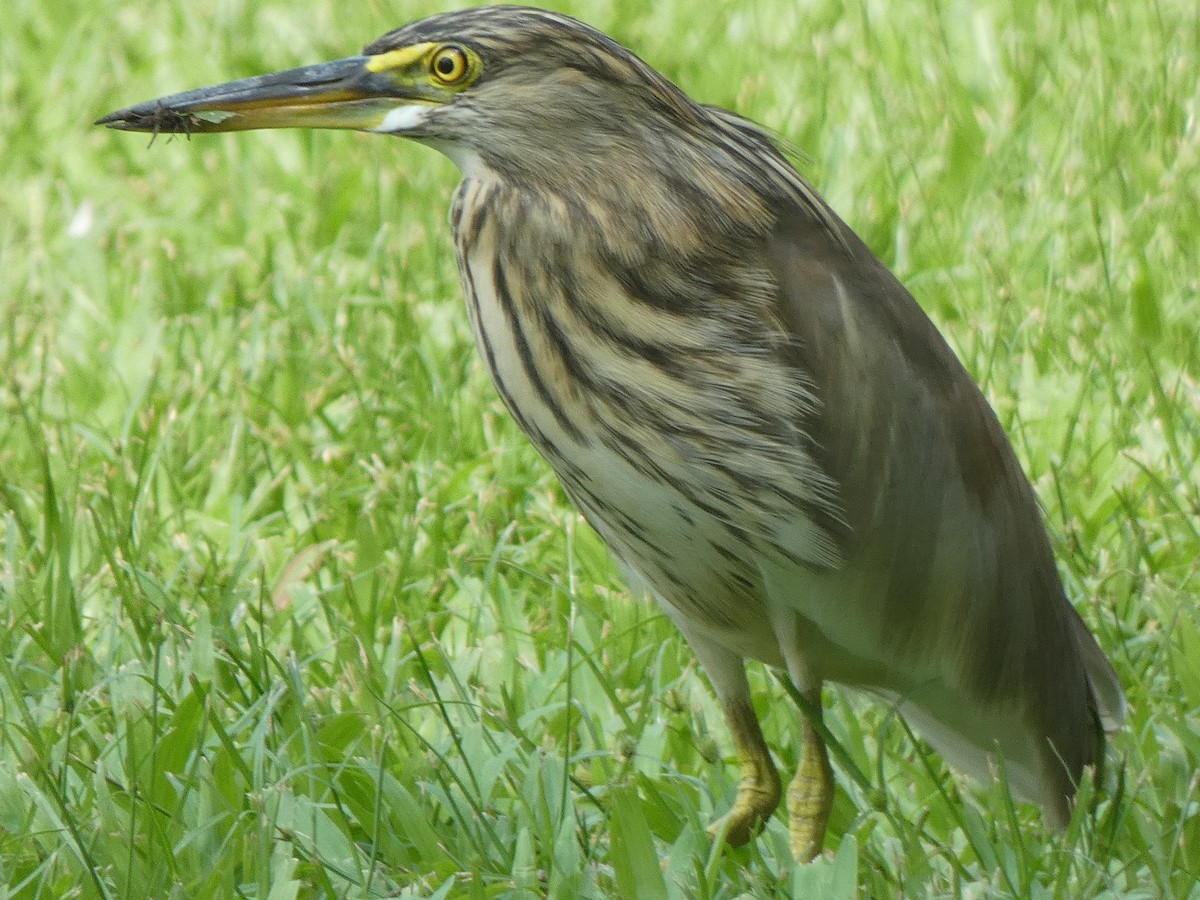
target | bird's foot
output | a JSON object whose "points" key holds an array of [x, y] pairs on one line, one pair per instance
{"points": [[758, 795], [809, 799]]}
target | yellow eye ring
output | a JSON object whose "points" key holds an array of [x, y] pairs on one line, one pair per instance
{"points": [[449, 64]]}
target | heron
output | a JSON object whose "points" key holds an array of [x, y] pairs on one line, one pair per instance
{"points": [[756, 416]]}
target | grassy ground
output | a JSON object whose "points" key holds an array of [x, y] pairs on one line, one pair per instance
{"points": [[288, 607]]}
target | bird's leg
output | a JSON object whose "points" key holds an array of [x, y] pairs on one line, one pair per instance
{"points": [[760, 788], [810, 795]]}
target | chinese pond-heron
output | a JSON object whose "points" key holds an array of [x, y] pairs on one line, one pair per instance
{"points": [[750, 409]]}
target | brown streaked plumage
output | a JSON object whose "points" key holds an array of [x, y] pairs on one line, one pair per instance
{"points": [[744, 402]]}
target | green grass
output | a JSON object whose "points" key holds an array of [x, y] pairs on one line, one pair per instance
{"points": [[289, 608]]}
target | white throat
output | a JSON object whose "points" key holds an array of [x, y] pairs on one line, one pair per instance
{"points": [[403, 120]]}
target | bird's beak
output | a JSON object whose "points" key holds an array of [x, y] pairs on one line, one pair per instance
{"points": [[355, 93]]}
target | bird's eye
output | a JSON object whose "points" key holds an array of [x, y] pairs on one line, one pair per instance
{"points": [[449, 65]]}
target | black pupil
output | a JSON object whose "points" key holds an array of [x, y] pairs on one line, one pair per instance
{"points": [[447, 64]]}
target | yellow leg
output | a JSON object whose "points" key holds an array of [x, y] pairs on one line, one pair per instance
{"points": [[759, 790], [810, 795]]}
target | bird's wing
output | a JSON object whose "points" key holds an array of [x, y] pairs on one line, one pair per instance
{"points": [[950, 583]]}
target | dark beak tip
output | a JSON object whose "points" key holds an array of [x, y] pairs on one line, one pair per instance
{"points": [[127, 119], [154, 117]]}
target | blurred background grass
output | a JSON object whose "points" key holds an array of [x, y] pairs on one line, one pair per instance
{"points": [[290, 609]]}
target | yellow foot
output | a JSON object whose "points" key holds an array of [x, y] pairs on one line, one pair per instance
{"points": [[758, 795], [809, 798], [760, 788]]}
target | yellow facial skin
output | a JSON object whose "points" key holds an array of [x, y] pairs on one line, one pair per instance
{"points": [[447, 65]]}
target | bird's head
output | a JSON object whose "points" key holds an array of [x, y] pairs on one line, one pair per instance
{"points": [[518, 90]]}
